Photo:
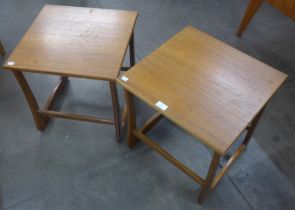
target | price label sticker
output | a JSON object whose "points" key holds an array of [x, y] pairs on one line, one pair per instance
{"points": [[124, 78], [10, 63], [161, 105]]}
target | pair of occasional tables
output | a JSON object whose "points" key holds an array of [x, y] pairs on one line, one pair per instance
{"points": [[211, 90]]}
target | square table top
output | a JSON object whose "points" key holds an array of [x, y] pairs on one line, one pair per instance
{"points": [[75, 41], [211, 90]]}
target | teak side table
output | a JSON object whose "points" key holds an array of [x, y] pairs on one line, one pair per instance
{"points": [[211, 90], [74, 42]]}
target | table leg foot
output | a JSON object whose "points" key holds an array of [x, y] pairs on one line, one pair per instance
{"points": [[205, 189]]}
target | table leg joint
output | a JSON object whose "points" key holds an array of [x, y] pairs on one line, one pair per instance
{"points": [[228, 164], [151, 122], [56, 91]]}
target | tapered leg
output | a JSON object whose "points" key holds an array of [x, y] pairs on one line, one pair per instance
{"points": [[116, 109], [2, 51], [252, 8], [132, 51], [131, 119], [40, 122], [210, 177]]}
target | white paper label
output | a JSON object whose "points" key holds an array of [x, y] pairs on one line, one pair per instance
{"points": [[161, 105], [10, 63], [124, 78]]}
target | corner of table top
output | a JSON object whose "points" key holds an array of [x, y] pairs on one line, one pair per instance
{"points": [[8, 65]]}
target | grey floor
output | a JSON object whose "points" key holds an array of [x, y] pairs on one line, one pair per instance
{"points": [[76, 165]]}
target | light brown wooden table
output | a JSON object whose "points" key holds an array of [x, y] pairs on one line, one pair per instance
{"points": [[74, 42], [285, 6], [211, 90]]}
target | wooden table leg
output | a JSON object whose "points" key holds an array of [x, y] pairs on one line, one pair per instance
{"points": [[132, 63], [40, 122], [116, 109], [209, 178], [2, 51], [252, 8], [132, 51], [131, 119], [252, 127], [131, 54], [212, 183], [212, 179]]}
